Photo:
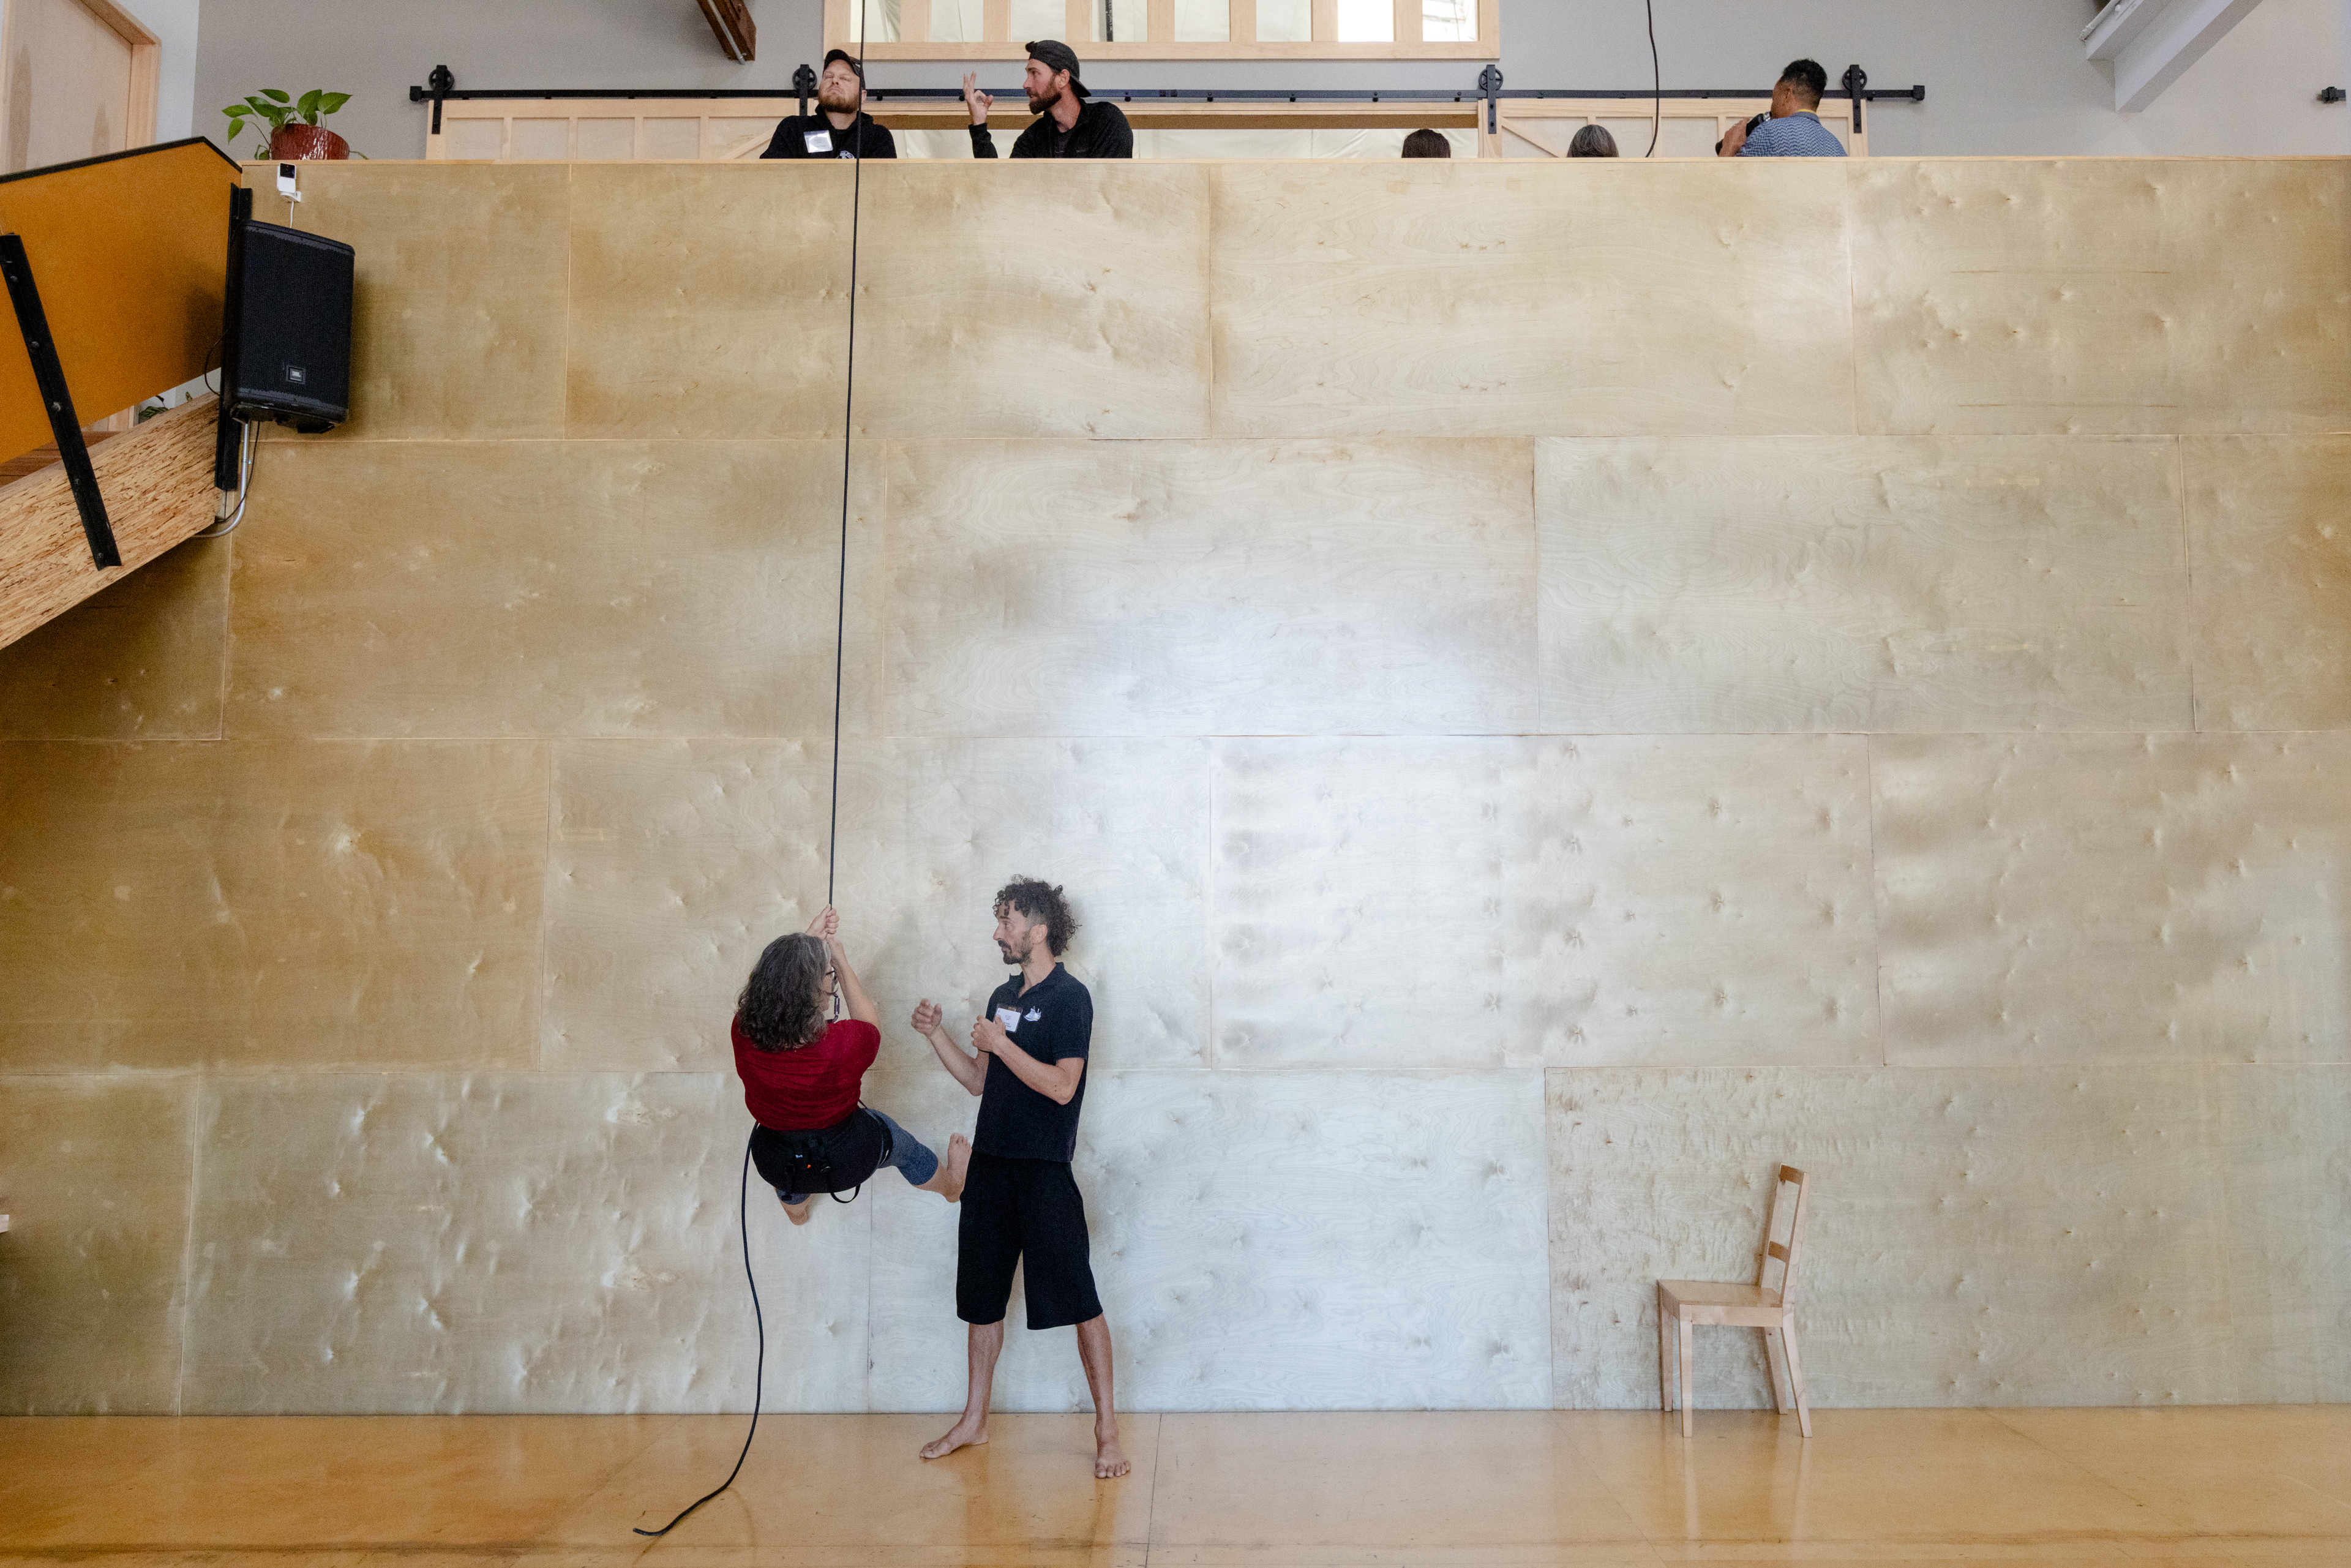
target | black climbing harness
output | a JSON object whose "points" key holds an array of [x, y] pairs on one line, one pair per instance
{"points": [[805, 1162]]}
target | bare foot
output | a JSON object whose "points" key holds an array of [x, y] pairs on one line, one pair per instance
{"points": [[1110, 1459], [962, 1435], [797, 1213], [959, 1166]]}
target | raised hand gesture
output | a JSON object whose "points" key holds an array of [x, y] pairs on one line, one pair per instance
{"points": [[827, 925], [974, 99], [927, 1017]]}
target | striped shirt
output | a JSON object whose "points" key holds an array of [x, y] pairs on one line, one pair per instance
{"points": [[1797, 135]]}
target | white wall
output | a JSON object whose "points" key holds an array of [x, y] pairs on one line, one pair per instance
{"points": [[173, 23], [2002, 76]]}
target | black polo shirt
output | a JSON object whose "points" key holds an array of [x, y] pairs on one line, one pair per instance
{"points": [[1053, 1022], [813, 136], [1101, 131]]}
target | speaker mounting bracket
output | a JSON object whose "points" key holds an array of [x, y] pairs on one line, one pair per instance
{"points": [[56, 400]]}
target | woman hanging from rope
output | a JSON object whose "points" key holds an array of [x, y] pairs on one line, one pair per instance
{"points": [[801, 1075]]}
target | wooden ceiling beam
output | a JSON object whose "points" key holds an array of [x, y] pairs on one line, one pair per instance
{"points": [[730, 23]]}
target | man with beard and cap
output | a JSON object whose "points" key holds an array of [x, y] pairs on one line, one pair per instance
{"points": [[1067, 126], [839, 128]]}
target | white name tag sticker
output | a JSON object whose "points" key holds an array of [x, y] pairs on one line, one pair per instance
{"points": [[1010, 1018], [818, 141]]}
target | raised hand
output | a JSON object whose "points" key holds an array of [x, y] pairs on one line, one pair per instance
{"points": [[927, 1017], [974, 99], [827, 924]]}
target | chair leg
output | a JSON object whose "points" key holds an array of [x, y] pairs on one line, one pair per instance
{"points": [[1775, 1361], [1796, 1374], [1689, 1348], [1665, 1356]]}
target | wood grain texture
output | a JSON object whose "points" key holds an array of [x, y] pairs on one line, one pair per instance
{"points": [[457, 313], [2285, 1135], [97, 1176], [1355, 1239], [2122, 295], [2272, 626], [2112, 899], [1164, 588], [1041, 298], [2051, 1236], [579, 589], [144, 658], [710, 299], [484, 1242], [1481, 298], [1487, 904], [269, 903], [157, 483], [1876, 583]]}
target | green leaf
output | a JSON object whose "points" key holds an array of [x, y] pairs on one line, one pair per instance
{"points": [[275, 95], [330, 101], [308, 104]]}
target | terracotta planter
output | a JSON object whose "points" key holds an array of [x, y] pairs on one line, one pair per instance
{"points": [[293, 142]]}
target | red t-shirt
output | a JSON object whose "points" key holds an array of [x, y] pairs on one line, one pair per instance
{"points": [[813, 1086]]}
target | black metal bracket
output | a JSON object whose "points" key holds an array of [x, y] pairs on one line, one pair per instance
{"points": [[804, 83], [1856, 83], [1489, 82], [2330, 95], [228, 431], [50, 375], [439, 86]]}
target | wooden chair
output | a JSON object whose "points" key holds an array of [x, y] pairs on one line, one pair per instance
{"points": [[1767, 1305]]}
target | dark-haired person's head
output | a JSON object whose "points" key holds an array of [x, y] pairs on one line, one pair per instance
{"points": [[783, 1004], [1027, 907], [1799, 90], [1051, 75], [1593, 142], [841, 88], [1427, 144]]}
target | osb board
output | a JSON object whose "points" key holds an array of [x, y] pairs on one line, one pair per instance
{"points": [[1485, 298], [547, 588], [1871, 582], [2272, 621], [1978, 1236], [270, 903], [712, 299], [484, 1242], [672, 863], [157, 484], [1267, 1241], [2112, 899], [2102, 295], [1175, 588], [96, 1175], [457, 325], [1482, 903], [1033, 299], [144, 658]]}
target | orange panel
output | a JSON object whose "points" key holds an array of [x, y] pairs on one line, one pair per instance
{"points": [[130, 253]]}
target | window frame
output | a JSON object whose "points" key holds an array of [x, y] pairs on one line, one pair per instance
{"points": [[1241, 44]]}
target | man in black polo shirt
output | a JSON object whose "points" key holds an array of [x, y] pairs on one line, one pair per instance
{"points": [[839, 128], [1067, 125], [1021, 1205]]}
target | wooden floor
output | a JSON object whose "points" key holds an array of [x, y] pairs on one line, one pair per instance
{"points": [[2213, 1486]]}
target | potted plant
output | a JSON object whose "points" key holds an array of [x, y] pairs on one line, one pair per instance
{"points": [[294, 128]]}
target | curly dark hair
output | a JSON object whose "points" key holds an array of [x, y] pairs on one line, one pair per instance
{"points": [[1039, 901], [782, 1004]]}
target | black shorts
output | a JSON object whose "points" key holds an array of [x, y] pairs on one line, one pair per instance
{"points": [[1024, 1212]]}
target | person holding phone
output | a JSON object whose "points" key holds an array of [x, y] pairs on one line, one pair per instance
{"points": [[1793, 127]]}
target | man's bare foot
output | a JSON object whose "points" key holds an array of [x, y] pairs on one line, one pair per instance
{"points": [[959, 1166], [1110, 1459], [962, 1435], [797, 1213]]}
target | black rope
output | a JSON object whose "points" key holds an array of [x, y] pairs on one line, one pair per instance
{"points": [[1656, 82], [757, 1377], [832, 830]]}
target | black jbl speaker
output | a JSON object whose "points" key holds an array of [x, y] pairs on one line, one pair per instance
{"points": [[287, 348]]}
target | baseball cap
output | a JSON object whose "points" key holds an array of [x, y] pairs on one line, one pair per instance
{"points": [[1057, 56]]}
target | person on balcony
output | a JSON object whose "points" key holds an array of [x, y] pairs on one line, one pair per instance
{"points": [[1068, 125]]}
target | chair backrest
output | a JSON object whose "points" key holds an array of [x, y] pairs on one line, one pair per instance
{"points": [[1785, 1255]]}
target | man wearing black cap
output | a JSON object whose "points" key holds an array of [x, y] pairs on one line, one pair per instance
{"points": [[1067, 124], [839, 128]]}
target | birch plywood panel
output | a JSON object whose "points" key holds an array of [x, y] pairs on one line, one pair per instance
{"points": [[1073, 588], [930, 830], [1356, 1239], [2053, 1237], [1043, 298], [2108, 295], [709, 300], [1484, 299], [458, 322], [97, 1177], [143, 658], [1481, 903], [2112, 899], [2272, 618], [581, 588], [2285, 1135], [671, 864], [450, 1244], [1862, 583], [254, 903]]}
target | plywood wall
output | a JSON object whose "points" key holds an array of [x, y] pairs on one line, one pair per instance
{"points": [[1553, 690]]}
